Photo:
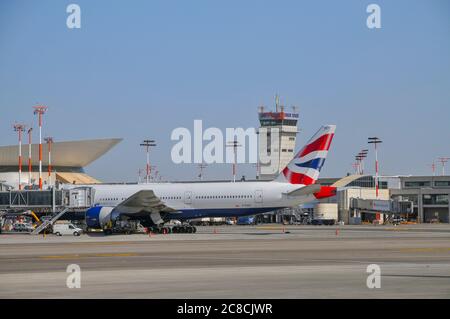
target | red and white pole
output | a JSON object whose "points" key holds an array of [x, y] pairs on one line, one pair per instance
{"points": [[148, 164], [29, 156], [148, 144], [375, 141], [40, 110], [376, 171], [20, 128], [49, 141], [20, 158]]}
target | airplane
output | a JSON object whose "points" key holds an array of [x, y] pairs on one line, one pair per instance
{"points": [[154, 204]]}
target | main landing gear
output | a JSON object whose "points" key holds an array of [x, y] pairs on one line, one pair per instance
{"points": [[184, 229], [181, 229]]}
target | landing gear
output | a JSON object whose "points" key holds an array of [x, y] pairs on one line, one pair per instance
{"points": [[184, 229], [177, 229], [160, 230]]}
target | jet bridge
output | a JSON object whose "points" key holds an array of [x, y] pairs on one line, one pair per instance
{"points": [[45, 201], [56, 202]]}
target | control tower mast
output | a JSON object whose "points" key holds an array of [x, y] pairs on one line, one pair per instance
{"points": [[281, 152]]}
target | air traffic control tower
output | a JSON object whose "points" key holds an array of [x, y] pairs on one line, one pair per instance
{"points": [[282, 150]]}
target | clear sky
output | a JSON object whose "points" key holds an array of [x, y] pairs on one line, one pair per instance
{"points": [[139, 69]]}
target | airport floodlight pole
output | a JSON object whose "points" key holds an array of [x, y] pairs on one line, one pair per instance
{"points": [[201, 167], [152, 169], [362, 155], [49, 141], [19, 128], [234, 144], [40, 110], [147, 144], [443, 161], [358, 164], [375, 141], [258, 169], [139, 175], [355, 167], [30, 130], [433, 168]]}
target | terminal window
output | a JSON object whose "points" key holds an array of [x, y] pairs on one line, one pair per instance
{"points": [[417, 184], [442, 183], [435, 199]]}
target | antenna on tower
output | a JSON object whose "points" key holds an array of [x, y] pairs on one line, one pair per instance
{"points": [[443, 161], [277, 102]]}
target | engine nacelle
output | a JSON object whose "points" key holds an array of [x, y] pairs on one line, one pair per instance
{"points": [[98, 216]]}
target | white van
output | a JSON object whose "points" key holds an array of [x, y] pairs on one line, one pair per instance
{"points": [[66, 229]]}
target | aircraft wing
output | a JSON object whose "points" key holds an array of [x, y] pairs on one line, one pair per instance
{"points": [[144, 201], [306, 190]]}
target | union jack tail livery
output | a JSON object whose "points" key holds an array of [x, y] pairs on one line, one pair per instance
{"points": [[305, 168]]}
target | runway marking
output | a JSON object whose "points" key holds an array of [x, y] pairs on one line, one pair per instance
{"points": [[426, 249], [77, 256], [106, 243], [271, 228]]}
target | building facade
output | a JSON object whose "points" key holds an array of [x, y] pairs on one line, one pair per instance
{"points": [[430, 197]]}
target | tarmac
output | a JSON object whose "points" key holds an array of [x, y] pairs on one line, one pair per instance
{"points": [[268, 261]]}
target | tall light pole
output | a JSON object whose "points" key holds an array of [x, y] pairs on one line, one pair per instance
{"points": [[258, 169], [234, 144], [363, 156], [358, 164], [139, 175], [147, 144], [443, 161], [360, 160], [49, 141], [40, 110], [30, 130], [375, 141], [201, 167], [19, 128], [355, 167]]}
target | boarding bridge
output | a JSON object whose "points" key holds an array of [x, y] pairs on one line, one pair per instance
{"points": [[381, 206], [47, 200], [57, 202]]}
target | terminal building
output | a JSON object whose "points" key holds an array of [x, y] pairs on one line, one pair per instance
{"points": [[419, 199], [68, 160]]}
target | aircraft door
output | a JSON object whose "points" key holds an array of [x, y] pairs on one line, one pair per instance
{"points": [[188, 198], [259, 196]]}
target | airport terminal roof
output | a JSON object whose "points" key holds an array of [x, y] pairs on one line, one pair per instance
{"points": [[64, 154]]}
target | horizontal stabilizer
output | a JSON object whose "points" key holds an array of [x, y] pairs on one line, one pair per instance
{"points": [[305, 191]]}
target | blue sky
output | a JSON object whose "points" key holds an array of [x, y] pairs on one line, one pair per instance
{"points": [[139, 69]]}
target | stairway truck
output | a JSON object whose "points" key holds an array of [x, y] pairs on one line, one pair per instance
{"points": [[325, 214]]}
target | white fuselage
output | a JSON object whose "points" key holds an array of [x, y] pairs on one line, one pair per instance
{"points": [[204, 199]]}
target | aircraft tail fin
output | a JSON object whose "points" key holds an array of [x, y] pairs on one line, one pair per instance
{"points": [[305, 167]]}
